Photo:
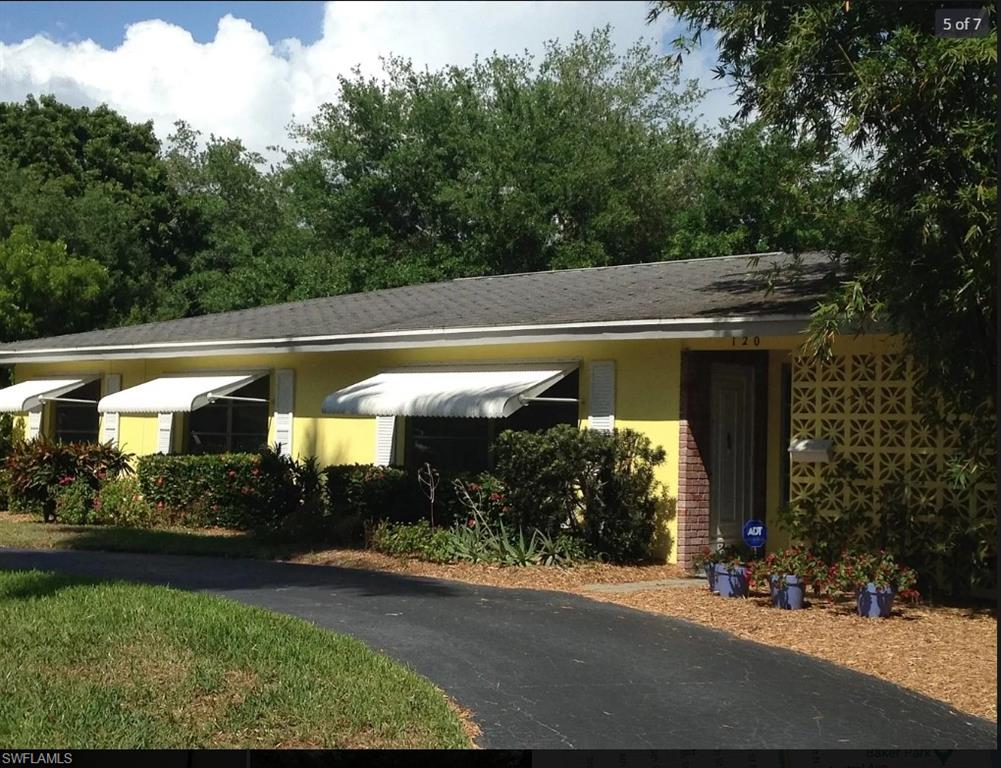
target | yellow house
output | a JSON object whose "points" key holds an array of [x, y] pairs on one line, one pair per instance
{"points": [[699, 355]]}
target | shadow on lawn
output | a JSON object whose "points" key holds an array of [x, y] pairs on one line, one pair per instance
{"points": [[182, 560]]}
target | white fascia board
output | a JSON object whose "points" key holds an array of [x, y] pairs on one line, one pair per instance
{"points": [[675, 328]]}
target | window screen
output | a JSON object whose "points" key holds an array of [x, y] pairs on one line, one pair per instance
{"points": [[232, 425], [77, 422]]}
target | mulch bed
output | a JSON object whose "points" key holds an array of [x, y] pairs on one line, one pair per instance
{"points": [[529, 577]]}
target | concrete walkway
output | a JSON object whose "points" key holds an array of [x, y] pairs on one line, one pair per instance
{"points": [[547, 669], [639, 586]]}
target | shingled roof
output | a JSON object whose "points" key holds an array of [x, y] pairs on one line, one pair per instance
{"points": [[720, 288]]}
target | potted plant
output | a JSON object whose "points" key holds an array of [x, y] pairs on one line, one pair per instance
{"points": [[705, 561], [874, 578], [731, 573], [787, 573]]}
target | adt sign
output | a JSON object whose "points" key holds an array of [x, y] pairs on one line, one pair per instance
{"points": [[755, 534]]}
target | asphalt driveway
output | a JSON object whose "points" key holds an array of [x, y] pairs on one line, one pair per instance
{"points": [[552, 670]]}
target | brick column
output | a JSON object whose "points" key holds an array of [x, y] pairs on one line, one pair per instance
{"points": [[693, 452]]}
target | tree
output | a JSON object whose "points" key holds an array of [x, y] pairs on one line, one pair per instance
{"points": [[44, 290], [95, 182], [921, 112], [246, 248], [758, 189], [503, 166]]}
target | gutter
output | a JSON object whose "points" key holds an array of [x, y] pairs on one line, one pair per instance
{"points": [[674, 328]]}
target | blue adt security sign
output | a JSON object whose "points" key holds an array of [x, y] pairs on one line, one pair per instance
{"points": [[755, 534]]}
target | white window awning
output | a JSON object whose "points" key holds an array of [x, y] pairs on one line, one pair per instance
{"points": [[472, 392], [29, 395], [175, 394]]}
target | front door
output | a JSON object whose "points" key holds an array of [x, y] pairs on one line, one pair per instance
{"points": [[731, 445]]}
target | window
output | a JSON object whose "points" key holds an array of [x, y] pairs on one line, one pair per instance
{"points": [[464, 445], [77, 422], [232, 425]]}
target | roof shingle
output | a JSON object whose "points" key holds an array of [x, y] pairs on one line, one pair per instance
{"points": [[698, 288]]}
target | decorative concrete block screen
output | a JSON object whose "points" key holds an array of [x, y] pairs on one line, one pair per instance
{"points": [[865, 403]]}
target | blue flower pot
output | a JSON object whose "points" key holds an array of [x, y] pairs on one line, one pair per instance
{"points": [[711, 576], [731, 583], [789, 596], [874, 602]]}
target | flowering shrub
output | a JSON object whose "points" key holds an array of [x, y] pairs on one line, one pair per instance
{"points": [[34, 469], [795, 561], [234, 490], [854, 570], [120, 502], [74, 501]]}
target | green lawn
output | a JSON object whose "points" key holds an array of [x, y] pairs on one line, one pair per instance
{"points": [[37, 535], [91, 664]]}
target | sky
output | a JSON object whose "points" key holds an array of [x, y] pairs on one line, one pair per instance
{"points": [[248, 69]]}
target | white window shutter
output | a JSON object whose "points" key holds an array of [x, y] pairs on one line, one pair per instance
{"points": [[164, 432], [34, 423], [109, 422], [385, 428], [601, 404], [284, 402]]}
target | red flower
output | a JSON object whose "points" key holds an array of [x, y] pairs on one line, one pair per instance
{"points": [[471, 522], [232, 473]]}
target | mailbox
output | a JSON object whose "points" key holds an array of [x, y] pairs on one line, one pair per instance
{"points": [[813, 450]]}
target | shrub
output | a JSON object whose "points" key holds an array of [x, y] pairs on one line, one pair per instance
{"points": [[120, 502], [11, 434], [36, 468], [418, 540], [373, 493], [74, 501], [596, 485], [246, 491]]}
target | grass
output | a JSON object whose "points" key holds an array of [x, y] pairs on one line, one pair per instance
{"points": [[22, 532], [92, 664]]}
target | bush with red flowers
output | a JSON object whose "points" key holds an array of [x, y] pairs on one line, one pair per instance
{"points": [[246, 491], [855, 569], [796, 561]]}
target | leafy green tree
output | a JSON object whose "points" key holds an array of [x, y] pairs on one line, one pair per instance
{"points": [[246, 248], [503, 166], [95, 182], [757, 189], [920, 111], [44, 290]]}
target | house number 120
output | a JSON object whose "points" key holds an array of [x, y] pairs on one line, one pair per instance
{"points": [[755, 340]]}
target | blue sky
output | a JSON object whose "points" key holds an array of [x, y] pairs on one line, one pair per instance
{"points": [[105, 22], [249, 69]]}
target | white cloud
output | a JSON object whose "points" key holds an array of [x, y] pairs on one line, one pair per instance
{"points": [[243, 85]]}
